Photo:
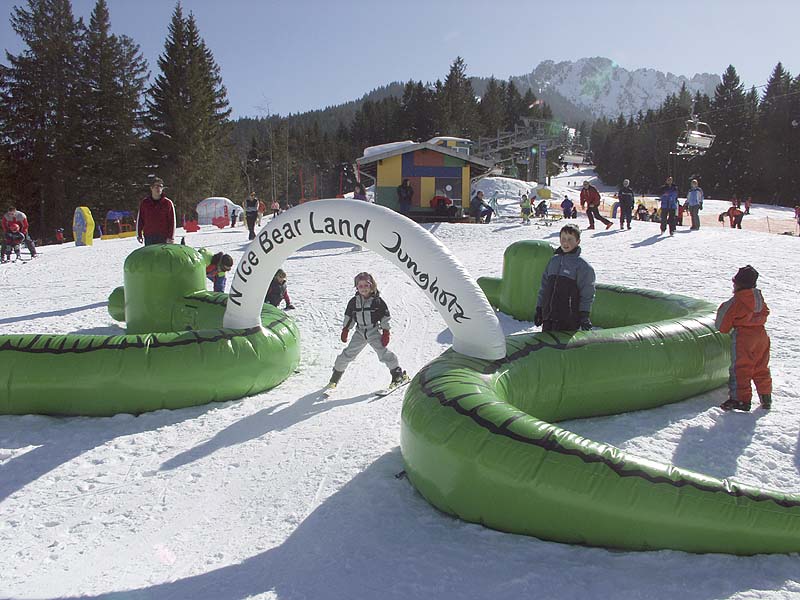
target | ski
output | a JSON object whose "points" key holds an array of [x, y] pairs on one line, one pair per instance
{"points": [[392, 388], [327, 391]]}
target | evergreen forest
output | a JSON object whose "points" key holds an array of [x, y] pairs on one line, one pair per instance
{"points": [[85, 121]]}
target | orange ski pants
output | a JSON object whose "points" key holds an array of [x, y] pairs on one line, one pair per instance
{"points": [[749, 362]]}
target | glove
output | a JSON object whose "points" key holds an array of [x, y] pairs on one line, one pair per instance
{"points": [[585, 323], [537, 318], [701, 206], [289, 306], [344, 334], [139, 239], [385, 338]]}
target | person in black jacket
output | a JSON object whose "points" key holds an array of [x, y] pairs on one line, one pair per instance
{"points": [[277, 291], [405, 193], [626, 201], [251, 214], [567, 290], [368, 313]]}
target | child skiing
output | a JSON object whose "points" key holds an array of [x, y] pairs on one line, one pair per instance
{"points": [[567, 290], [12, 238], [369, 314], [525, 209], [216, 269], [746, 314], [277, 291], [566, 207]]}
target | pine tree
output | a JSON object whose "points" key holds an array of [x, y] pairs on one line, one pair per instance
{"points": [[188, 117], [773, 139], [416, 120], [514, 106], [492, 109], [39, 115], [791, 197], [727, 157], [458, 99], [113, 81]]}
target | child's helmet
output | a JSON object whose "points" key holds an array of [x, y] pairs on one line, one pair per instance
{"points": [[366, 277], [14, 227]]}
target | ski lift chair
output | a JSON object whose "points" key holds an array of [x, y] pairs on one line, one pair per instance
{"points": [[695, 140]]}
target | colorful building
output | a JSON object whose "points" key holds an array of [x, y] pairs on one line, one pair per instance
{"points": [[432, 170]]}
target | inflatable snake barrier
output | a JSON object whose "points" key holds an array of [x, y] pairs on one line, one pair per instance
{"points": [[478, 441], [176, 352]]}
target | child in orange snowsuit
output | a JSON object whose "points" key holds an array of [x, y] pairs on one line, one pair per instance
{"points": [[746, 314]]}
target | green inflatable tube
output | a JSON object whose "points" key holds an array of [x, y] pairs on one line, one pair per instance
{"points": [[180, 355], [478, 441]]}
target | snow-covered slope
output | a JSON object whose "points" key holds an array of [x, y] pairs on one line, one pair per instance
{"points": [[286, 496]]}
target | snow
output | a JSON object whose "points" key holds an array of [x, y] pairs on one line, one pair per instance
{"points": [[391, 146], [281, 495]]}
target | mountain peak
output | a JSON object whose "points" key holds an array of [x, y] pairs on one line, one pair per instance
{"points": [[599, 86]]}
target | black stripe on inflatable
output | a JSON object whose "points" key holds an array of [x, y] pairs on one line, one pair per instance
{"points": [[548, 443], [274, 326], [596, 337], [191, 337]]}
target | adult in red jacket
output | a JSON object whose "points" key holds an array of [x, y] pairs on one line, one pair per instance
{"points": [[17, 216], [156, 221], [590, 199]]}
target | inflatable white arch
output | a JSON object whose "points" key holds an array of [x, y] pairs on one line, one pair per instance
{"points": [[430, 265]]}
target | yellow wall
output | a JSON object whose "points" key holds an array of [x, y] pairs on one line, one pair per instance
{"points": [[390, 171], [428, 191], [465, 197]]}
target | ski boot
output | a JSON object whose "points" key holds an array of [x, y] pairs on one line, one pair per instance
{"points": [[335, 377], [766, 401], [398, 377], [733, 404]]}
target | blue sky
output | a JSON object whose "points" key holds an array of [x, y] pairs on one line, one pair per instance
{"points": [[292, 56]]}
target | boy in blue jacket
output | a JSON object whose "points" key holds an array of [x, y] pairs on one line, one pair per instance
{"points": [[669, 205], [567, 290]]}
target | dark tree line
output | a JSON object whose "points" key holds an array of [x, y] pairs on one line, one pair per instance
{"points": [[756, 151], [325, 144], [82, 123], [80, 126]]}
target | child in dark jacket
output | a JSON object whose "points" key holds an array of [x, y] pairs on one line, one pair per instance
{"points": [[368, 313], [277, 291], [745, 314], [216, 269], [566, 207], [11, 241], [567, 290]]}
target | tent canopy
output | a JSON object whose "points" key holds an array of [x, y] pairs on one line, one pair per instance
{"points": [[213, 207]]}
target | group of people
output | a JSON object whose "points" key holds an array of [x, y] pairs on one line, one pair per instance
{"points": [[15, 233], [669, 212], [567, 291]]}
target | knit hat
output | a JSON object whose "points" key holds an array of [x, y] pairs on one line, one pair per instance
{"points": [[746, 277]]}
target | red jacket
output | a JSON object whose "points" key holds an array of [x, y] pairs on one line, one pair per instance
{"points": [[156, 217], [590, 196], [18, 217]]}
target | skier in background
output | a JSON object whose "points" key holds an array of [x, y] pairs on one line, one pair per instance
{"points": [[11, 241], [626, 201], [17, 216]]}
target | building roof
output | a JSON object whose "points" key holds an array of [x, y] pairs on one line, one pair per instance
{"points": [[369, 164]]}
